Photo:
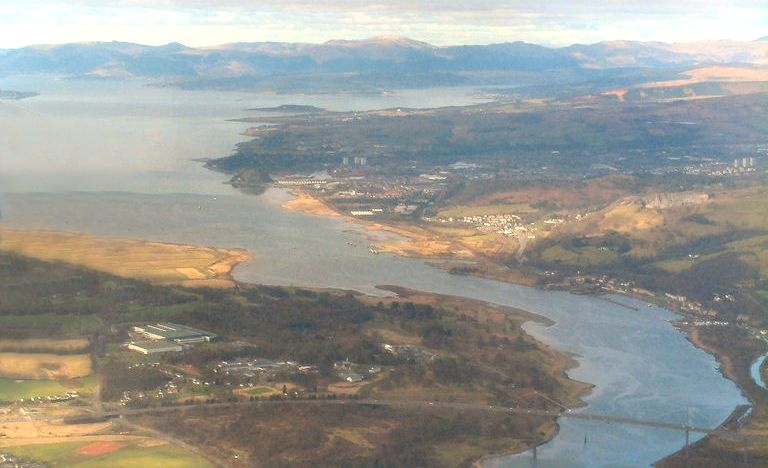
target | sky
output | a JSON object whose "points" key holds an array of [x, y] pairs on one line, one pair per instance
{"points": [[441, 22]]}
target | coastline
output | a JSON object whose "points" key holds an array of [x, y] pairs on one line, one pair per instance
{"points": [[745, 435], [489, 270], [488, 312], [64, 246], [555, 363], [414, 241], [303, 203], [155, 262], [409, 241], [559, 362]]}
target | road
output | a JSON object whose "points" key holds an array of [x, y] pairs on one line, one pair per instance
{"points": [[428, 405]]}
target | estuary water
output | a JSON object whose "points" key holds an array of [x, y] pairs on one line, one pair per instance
{"points": [[115, 159], [754, 371]]}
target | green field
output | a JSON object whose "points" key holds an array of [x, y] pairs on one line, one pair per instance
{"points": [[50, 325], [677, 265], [743, 210], [581, 256], [129, 456], [12, 390], [753, 250]]}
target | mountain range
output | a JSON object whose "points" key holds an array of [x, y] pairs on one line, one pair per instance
{"points": [[383, 59]]}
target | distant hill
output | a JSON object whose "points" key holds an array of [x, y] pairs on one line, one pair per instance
{"points": [[380, 61]]}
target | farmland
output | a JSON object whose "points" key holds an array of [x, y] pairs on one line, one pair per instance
{"points": [[43, 345], [14, 389], [27, 375], [44, 366], [123, 452]]}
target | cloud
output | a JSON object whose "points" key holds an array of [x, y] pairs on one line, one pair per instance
{"points": [[199, 22]]}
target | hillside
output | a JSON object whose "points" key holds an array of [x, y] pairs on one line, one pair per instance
{"points": [[377, 62], [521, 137]]}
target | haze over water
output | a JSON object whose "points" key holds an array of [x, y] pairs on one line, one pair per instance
{"points": [[115, 160], [96, 135]]}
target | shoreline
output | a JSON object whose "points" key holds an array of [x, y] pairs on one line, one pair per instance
{"points": [[731, 365], [415, 241], [727, 368], [561, 363], [162, 263], [306, 203], [59, 243], [564, 360], [229, 264]]}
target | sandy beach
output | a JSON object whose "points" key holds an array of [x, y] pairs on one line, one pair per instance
{"points": [[412, 241], [305, 203], [417, 242]]}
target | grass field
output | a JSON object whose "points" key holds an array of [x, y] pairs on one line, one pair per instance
{"points": [[130, 453], [44, 366], [747, 209], [679, 265], [13, 390], [150, 261], [73, 326], [753, 250], [582, 256]]}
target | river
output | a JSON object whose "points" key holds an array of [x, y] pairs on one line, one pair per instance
{"points": [[754, 371], [115, 159]]}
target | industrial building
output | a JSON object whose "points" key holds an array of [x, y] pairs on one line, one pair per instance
{"points": [[173, 332], [166, 337], [154, 346]]}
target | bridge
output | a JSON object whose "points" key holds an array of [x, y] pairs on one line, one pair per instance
{"points": [[436, 405], [738, 414]]}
